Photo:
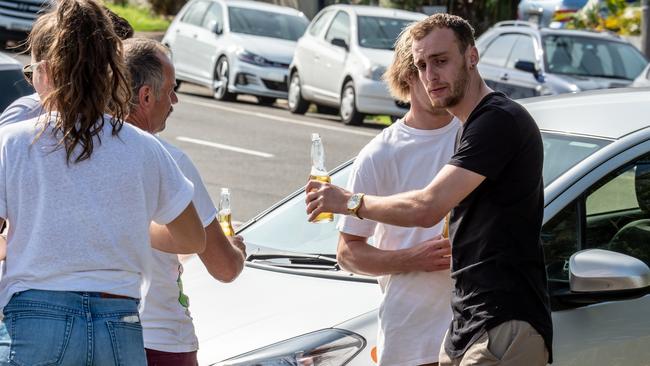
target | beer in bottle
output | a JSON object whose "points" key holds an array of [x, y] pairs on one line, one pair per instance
{"points": [[318, 172], [224, 214]]}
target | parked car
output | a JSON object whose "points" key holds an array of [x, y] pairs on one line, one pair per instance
{"points": [[643, 80], [17, 17], [235, 47], [12, 81], [546, 12], [522, 60], [293, 304], [340, 60]]}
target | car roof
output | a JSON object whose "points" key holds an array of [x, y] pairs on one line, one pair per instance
{"points": [[264, 6], [606, 113], [366, 10], [7, 62], [528, 27]]}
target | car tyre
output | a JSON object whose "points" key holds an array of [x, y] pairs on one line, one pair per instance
{"points": [[297, 104], [348, 112], [221, 80], [268, 101]]}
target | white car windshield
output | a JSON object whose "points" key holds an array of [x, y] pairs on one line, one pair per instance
{"points": [[379, 32], [266, 24], [286, 228]]}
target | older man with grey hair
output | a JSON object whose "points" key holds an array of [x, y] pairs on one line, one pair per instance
{"points": [[168, 330]]}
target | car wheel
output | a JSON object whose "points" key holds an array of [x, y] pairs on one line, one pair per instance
{"points": [[297, 104], [221, 79], [349, 113], [265, 100], [323, 109]]}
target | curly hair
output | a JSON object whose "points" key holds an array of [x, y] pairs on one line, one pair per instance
{"points": [[86, 73]]}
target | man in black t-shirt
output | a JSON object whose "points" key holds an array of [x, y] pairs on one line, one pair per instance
{"points": [[493, 187]]}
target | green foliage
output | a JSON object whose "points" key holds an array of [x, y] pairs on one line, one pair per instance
{"points": [[141, 19], [609, 15]]}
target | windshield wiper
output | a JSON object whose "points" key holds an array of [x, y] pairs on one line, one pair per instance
{"points": [[295, 260]]}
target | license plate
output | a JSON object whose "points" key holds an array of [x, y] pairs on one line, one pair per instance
{"points": [[275, 76]]}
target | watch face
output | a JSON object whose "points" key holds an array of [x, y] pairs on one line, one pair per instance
{"points": [[353, 202]]}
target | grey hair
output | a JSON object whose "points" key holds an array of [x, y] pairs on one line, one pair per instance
{"points": [[142, 58]]}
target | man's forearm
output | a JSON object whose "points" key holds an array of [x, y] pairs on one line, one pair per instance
{"points": [[222, 259], [359, 257], [408, 209]]}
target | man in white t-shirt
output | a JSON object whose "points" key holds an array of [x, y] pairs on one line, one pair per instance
{"points": [[412, 264], [167, 325]]}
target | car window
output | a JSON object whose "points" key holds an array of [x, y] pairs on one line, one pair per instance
{"points": [[618, 211], [380, 33], [340, 28], [585, 56], [13, 86], [195, 13], [561, 152], [498, 51], [614, 214], [266, 24], [523, 50], [320, 22], [213, 16]]}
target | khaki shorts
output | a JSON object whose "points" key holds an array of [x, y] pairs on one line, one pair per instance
{"points": [[513, 343]]}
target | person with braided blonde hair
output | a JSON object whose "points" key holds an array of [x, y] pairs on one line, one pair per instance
{"points": [[80, 189]]}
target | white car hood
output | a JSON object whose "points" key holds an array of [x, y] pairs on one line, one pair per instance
{"points": [[264, 307], [273, 49], [377, 56]]}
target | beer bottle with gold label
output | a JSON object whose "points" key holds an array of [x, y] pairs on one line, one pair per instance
{"points": [[224, 214], [318, 171], [445, 228]]}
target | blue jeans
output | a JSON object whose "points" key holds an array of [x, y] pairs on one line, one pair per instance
{"points": [[70, 328]]}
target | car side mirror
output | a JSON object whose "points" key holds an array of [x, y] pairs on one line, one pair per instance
{"points": [[598, 270], [528, 66], [339, 42], [216, 28], [597, 275]]}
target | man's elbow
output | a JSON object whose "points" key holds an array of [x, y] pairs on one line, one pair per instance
{"points": [[425, 218], [229, 273], [343, 257]]}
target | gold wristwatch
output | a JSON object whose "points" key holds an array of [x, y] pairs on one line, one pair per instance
{"points": [[353, 204]]}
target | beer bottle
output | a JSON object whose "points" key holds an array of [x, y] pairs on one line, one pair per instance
{"points": [[318, 171], [224, 214], [445, 228]]}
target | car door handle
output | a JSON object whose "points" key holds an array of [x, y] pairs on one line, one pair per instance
{"points": [[195, 36], [178, 31], [505, 77]]}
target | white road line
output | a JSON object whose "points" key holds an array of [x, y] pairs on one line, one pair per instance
{"points": [[279, 119], [224, 147]]}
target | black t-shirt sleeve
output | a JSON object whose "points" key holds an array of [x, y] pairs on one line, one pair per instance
{"points": [[487, 143]]}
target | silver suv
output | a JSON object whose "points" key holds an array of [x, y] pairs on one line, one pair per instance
{"points": [[12, 81], [522, 60]]}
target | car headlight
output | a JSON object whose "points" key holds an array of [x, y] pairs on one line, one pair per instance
{"points": [[251, 58], [320, 348], [375, 72]]}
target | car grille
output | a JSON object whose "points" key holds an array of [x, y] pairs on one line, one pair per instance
{"points": [[276, 85], [22, 9]]}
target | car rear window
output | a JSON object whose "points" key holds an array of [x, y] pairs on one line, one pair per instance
{"points": [[592, 57], [266, 24], [13, 86]]}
